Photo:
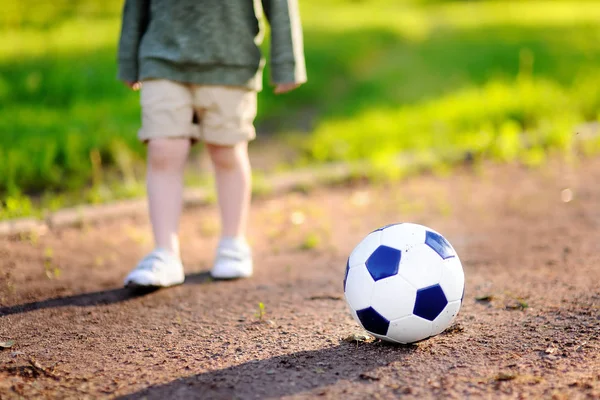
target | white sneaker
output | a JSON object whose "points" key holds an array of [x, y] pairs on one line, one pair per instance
{"points": [[234, 259], [158, 269]]}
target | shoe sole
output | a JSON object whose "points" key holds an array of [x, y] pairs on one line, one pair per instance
{"points": [[230, 277], [134, 285]]}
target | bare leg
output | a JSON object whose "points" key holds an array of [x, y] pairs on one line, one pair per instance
{"points": [[166, 161], [233, 181]]}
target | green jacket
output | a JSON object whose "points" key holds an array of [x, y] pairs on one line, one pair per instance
{"points": [[210, 42]]}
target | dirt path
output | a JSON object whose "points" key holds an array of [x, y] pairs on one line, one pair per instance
{"points": [[531, 259]]}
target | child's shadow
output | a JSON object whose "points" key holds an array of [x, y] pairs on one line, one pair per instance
{"points": [[198, 278], [102, 297]]}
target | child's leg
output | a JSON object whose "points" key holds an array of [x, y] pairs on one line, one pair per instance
{"points": [[227, 115], [233, 181], [164, 179], [166, 162], [167, 129]]}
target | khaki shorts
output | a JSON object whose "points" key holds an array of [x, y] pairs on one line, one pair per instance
{"points": [[221, 115]]}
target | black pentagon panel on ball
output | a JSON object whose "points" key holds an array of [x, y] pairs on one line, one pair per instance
{"points": [[439, 244], [373, 321], [346, 274], [430, 302], [383, 262]]}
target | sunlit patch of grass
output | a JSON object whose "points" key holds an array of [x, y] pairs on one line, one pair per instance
{"points": [[507, 121], [524, 13], [16, 207], [411, 17], [311, 241], [59, 38], [19, 205], [51, 269]]}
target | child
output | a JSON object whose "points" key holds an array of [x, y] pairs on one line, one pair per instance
{"points": [[198, 60]]}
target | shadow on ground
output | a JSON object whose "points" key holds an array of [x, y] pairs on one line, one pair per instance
{"points": [[96, 298], [284, 375]]}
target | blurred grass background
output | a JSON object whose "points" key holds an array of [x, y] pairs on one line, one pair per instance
{"points": [[502, 80]]}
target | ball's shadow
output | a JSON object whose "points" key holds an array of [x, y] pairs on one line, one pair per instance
{"points": [[285, 375]]}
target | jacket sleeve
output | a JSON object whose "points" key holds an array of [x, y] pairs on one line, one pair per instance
{"points": [[287, 52], [135, 21]]}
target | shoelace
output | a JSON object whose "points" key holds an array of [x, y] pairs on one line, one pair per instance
{"points": [[147, 263], [232, 254]]}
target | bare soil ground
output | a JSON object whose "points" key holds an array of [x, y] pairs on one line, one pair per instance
{"points": [[528, 328]]}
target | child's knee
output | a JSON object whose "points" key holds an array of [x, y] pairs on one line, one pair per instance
{"points": [[167, 154], [227, 157]]}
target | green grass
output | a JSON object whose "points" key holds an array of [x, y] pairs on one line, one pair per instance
{"points": [[471, 76], [501, 79]]}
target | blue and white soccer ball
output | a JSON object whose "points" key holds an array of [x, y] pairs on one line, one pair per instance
{"points": [[404, 283]]}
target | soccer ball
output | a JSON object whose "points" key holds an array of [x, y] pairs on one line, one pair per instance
{"points": [[404, 283]]}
